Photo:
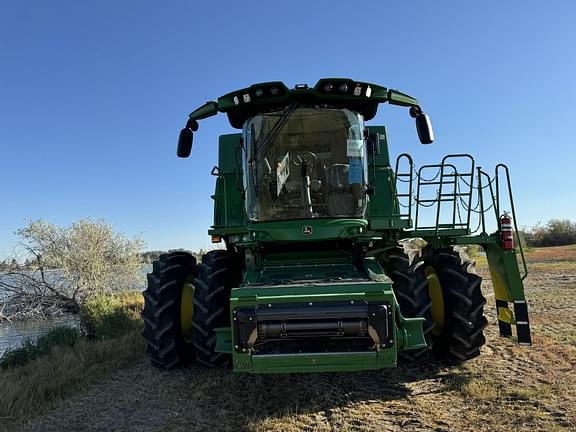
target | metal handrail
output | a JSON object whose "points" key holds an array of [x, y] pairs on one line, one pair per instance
{"points": [[447, 170], [410, 182], [510, 197]]}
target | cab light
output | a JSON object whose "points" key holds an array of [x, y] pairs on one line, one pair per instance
{"points": [[246, 98], [236, 100], [274, 90], [259, 92], [368, 91], [343, 87], [357, 91], [328, 87]]}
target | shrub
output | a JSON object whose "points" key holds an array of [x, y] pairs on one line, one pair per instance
{"points": [[59, 336], [67, 265], [110, 316]]}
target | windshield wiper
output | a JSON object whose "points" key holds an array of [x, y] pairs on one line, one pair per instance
{"points": [[264, 141]]}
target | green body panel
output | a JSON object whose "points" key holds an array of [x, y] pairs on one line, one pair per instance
{"points": [[305, 230], [301, 266], [505, 273], [320, 291], [229, 212], [408, 331], [306, 363], [383, 212], [224, 340]]}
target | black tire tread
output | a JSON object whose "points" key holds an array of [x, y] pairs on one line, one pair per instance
{"points": [[411, 290], [211, 305], [165, 344], [463, 334]]}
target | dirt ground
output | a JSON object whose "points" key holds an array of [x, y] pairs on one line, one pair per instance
{"points": [[508, 388]]}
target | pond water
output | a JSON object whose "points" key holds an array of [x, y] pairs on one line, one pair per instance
{"points": [[12, 334]]}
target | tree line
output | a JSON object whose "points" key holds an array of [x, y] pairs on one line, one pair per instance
{"points": [[555, 232]]}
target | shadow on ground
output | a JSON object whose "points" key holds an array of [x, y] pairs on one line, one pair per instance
{"points": [[242, 400]]}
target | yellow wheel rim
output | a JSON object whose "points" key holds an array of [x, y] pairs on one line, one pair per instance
{"points": [[435, 291], [187, 309]]}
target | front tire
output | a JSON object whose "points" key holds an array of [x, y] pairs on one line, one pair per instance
{"points": [[410, 287], [166, 299], [216, 277]]}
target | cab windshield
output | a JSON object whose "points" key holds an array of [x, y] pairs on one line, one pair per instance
{"points": [[303, 163]]}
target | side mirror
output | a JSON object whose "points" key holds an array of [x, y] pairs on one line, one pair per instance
{"points": [[185, 143], [424, 128]]}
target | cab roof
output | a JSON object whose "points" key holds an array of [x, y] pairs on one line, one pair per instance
{"points": [[364, 98]]}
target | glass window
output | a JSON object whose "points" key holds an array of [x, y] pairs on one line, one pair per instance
{"points": [[305, 163]]}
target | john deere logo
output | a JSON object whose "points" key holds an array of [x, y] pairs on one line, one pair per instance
{"points": [[307, 230]]}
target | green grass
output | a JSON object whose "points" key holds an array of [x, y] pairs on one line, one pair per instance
{"points": [[110, 316]]}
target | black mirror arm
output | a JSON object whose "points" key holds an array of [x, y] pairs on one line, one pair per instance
{"points": [[209, 109]]}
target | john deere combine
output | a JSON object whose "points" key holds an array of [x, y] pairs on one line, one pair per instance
{"points": [[334, 259]]}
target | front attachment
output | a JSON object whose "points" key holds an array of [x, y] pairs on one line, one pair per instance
{"points": [[322, 327]]}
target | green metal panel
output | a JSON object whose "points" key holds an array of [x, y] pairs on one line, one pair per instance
{"points": [[382, 159], [408, 332], [306, 363], [224, 340], [307, 230], [313, 292], [229, 211], [383, 212], [505, 273], [307, 291], [508, 287]]}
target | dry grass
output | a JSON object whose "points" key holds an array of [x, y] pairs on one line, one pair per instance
{"points": [[41, 383], [554, 253]]}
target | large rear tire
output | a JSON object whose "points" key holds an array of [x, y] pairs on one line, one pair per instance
{"points": [[165, 306], [410, 287], [216, 276], [460, 334]]}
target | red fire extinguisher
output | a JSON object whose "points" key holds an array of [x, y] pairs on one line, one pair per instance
{"points": [[506, 233]]}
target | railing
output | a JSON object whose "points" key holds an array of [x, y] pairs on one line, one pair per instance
{"points": [[450, 194], [404, 194], [442, 188]]}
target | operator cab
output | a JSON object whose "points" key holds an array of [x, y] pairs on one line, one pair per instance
{"points": [[305, 162]]}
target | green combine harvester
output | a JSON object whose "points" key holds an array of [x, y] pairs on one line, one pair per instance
{"points": [[334, 259]]}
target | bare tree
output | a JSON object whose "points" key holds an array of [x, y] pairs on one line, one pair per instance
{"points": [[66, 265]]}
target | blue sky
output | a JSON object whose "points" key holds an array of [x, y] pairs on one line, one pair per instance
{"points": [[93, 94]]}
